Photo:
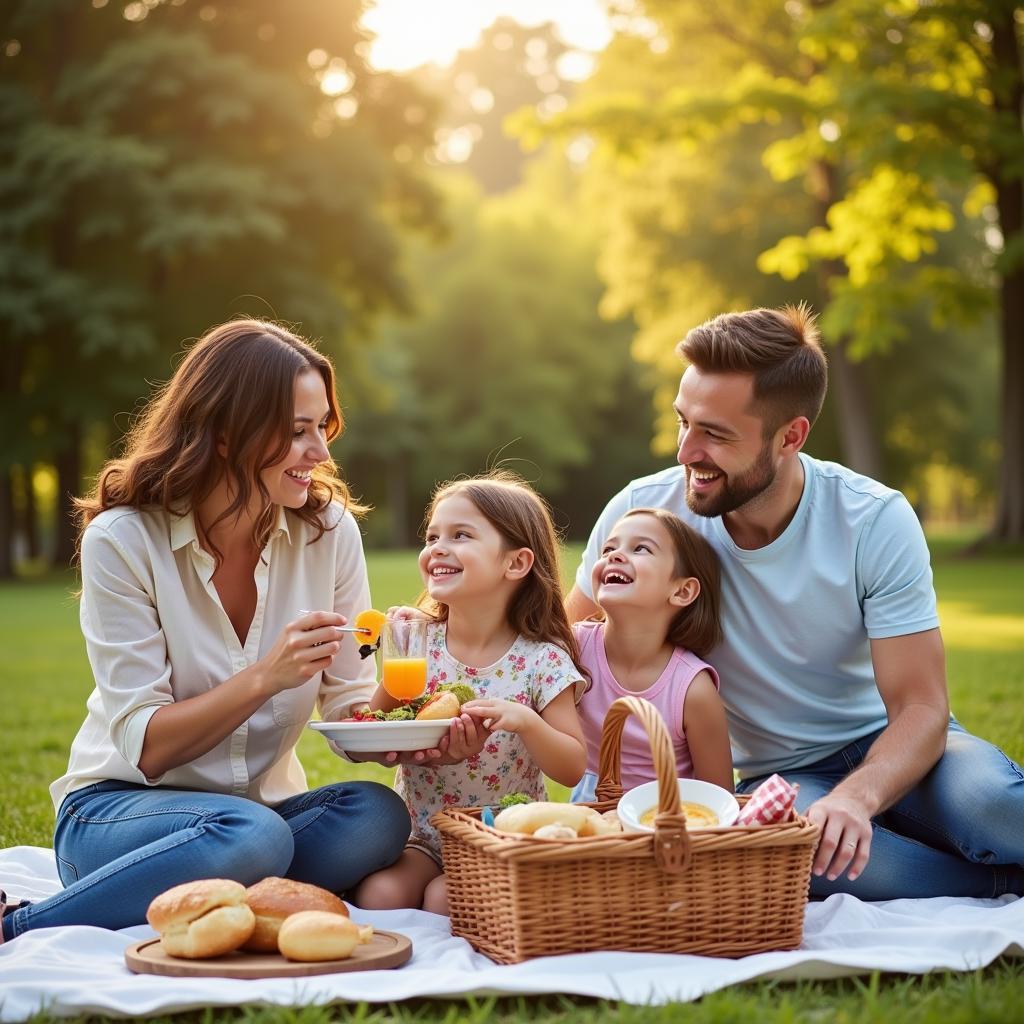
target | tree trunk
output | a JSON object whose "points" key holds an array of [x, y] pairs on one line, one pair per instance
{"points": [[398, 498], [857, 434], [6, 525], [1008, 93], [31, 515], [69, 483]]}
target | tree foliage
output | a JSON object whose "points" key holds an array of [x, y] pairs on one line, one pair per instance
{"points": [[751, 153], [169, 163], [505, 360]]}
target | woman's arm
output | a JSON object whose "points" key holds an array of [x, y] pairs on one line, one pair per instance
{"points": [[124, 625], [706, 732], [553, 738], [350, 680], [181, 731]]}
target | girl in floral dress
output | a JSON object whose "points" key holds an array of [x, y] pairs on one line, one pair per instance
{"points": [[490, 566]]}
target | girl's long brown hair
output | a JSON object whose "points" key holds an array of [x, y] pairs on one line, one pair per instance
{"points": [[235, 386], [698, 626], [522, 517]]}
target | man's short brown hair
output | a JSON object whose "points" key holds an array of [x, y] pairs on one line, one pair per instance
{"points": [[780, 348]]}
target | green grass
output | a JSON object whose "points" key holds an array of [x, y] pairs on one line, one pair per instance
{"points": [[45, 681]]}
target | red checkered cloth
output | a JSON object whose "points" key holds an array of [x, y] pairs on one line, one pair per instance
{"points": [[771, 803]]}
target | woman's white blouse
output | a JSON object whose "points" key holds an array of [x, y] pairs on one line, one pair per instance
{"points": [[156, 632]]}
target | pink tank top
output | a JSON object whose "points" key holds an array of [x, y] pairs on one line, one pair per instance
{"points": [[667, 693]]}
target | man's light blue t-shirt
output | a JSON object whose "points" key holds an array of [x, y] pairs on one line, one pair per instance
{"points": [[798, 614]]}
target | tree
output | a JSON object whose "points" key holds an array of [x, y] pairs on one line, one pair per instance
{"points": [[743, 124], [169, 163], [936, 94], [506, 360]]}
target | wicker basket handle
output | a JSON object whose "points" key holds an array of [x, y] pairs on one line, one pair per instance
{"points": [[671, 840]]}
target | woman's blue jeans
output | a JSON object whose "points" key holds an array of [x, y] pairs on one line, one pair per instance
{"points": [[119, 845], [958, 832]]}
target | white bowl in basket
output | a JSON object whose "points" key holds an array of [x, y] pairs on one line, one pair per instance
{"points": [[637, 802]]}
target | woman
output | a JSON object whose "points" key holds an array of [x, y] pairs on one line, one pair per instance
{"points": [[200, 550]]}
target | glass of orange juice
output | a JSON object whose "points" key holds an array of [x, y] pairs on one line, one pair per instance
{"points": [[403, 658]]}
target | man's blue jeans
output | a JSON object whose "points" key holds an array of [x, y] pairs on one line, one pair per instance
{"points": [[119, 845], [959, 832]]}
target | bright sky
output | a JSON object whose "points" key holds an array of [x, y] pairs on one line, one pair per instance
{"points": [[414, 32]]}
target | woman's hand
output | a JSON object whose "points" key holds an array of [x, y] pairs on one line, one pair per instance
{"points": [[507, 715], [306, 646]]}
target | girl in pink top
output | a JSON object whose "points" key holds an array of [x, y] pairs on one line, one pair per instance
{"points": [[657, 582]]}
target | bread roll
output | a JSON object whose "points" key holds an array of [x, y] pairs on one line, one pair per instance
{"points": [[601, 824], [527, 818], [612, 817], [442, 705], [274, 899], [555, 832], [200, 919], [313, 935]]}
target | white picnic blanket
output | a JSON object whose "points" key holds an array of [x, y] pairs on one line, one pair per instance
{"points": [[80, 971]]}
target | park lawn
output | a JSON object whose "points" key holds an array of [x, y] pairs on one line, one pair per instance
{"points": [[45, 682]]}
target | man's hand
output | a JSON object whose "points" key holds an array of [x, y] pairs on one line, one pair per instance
{"points": [[845, 843]]}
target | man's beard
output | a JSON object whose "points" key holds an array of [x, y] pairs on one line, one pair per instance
{"points": [[733, 492]]}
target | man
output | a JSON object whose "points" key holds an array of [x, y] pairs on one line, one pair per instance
{"points": [[832, 664]]}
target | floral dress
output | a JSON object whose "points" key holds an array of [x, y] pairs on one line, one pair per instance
{"points": [[529, 672]]}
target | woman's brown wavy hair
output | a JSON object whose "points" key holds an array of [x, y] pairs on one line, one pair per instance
{"points": [[522, 517], [236, 385]]}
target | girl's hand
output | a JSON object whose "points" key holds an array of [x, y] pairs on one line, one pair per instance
{"points": [[506, 715], [404, 611], [306, 646], [392, 758], [465, 738]]}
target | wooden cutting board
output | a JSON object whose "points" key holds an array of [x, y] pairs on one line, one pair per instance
{"points": [[385, 950]]}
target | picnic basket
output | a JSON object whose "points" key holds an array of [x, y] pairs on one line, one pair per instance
{"points": [[725, 892]]}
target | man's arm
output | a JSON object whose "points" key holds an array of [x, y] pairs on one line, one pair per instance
{"points": [[578, 606], [911, 675]]}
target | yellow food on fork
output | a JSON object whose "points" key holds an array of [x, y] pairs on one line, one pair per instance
{"points": [[368, 625]]}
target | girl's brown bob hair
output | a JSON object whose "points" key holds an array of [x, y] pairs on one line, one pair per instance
{"points": [[523, 519], [236, 386], [698, 626]]}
